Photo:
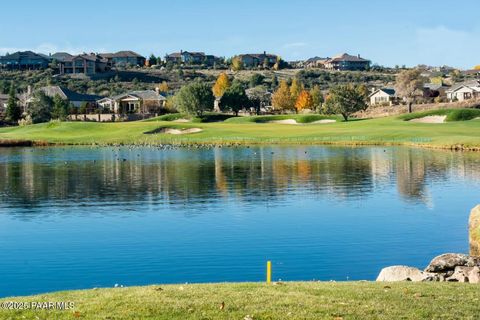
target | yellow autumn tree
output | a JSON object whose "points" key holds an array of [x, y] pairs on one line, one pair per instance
{"points": [[237, 64], [282, 99], [163, 87], [221, 85], [295, 89], [477, 67], [304, 101]]}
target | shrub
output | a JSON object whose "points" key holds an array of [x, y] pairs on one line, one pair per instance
{"points": [[463, 114], [26, 121]]}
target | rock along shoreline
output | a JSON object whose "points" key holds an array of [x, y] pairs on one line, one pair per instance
{"points": [[448, 267]]}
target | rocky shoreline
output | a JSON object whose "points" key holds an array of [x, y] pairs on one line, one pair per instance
{"points": [[448, 267]]}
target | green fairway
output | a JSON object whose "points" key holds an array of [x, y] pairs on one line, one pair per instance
{"points": [[299, 300], [257, 130]]}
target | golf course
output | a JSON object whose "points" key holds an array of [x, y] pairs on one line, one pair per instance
{"points": [[459, 131]]}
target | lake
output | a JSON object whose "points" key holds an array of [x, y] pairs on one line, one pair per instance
{"points": [[81, 217]]}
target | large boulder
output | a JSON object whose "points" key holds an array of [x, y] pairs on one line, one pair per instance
{"points": [[404, 273], [465, 274], [474, 231], [448, 261]]}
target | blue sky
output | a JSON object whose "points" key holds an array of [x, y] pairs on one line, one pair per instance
{"points": [[387, 32]]}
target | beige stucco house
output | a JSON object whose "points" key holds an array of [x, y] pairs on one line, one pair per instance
{"points": [[145, 102], [464, 91], [382, 96]]}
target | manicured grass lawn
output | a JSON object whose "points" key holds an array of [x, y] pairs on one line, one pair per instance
{"points": [[299, 300], [245, 130]]}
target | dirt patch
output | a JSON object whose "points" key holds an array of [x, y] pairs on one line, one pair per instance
{"points": [[174, 131], [286, 121], [181, 120], [325, 121], [430, 119]]}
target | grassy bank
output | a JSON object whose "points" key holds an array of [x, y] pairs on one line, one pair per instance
{"points": [[451, 114], [247, 130], [302, 300]]}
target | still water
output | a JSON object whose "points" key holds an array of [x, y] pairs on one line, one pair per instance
{"points": [[73, 218]]}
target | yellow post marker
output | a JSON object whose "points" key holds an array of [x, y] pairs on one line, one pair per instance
{"points": [[269, 272]]}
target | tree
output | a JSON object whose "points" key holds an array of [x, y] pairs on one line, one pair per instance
{"points": [[152, 60], [255, 80], [4, 87], [41, 108], [477, 67], [304, 101], [194, 98], [237, 64], [259, 97], [60, 108], [234, 99], [344, 100], [221, 85], [163, 87], [282, 98], [409, 86], [84, 108], [13, 111], [317, 98], [274, 82], [280, 64], [295, 89]]}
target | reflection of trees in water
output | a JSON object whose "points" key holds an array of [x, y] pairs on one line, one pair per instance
{"points": [[415, 169], [244, 174]]}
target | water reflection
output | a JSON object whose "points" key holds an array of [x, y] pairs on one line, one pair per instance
{"points": [[82, 176]]}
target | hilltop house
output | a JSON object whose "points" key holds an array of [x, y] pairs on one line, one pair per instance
{"points": [[24, 60], [187, 57], [145, 102], [315, 62], [124, 58], [383, 96], [61, 56], [83, 64], [253, 60], [347, 62], [464, 91]]}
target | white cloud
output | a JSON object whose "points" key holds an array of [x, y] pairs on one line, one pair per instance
{"points": [[444, 46]]}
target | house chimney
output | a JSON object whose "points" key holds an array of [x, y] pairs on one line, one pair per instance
{"points": [[181, 51], [29, 90], [157, 90], [264, 53], [359, 55]]}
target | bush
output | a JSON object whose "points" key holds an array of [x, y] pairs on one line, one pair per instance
{"points": [[26, 121], [463, 115]]}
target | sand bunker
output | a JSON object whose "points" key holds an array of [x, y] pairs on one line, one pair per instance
{"points": [[181, 120], [181, 131], [174, 131], [286, 121], [430, 119], [325, 121], [293, 121]]}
